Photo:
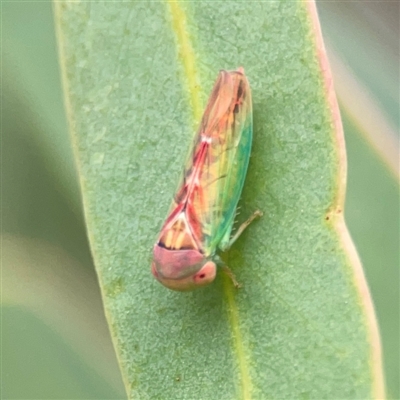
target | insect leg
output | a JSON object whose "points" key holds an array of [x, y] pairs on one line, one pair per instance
{"points": [[232, 276], [242, 227]]}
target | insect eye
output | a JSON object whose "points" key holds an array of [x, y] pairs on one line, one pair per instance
{"points": [[206, 274]]}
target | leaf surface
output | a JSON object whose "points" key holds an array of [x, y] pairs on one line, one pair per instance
{"points": [[136, 77]]}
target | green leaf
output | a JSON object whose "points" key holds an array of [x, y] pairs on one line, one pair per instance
{"points": [[30, 76], [377, 238], [136, 77], [41, 282]]}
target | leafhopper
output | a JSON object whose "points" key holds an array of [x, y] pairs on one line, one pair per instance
{"points": [[203, 211]]}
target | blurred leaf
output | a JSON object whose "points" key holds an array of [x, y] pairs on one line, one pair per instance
{"points": [[50, 312], [366, 34], [299, 327], [31, 74], [48, 367], [366, 114], [372, 212], [33, 202], [50, 299]]}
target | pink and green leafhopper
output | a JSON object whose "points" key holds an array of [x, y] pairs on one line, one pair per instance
{"points": [[202, 214]]}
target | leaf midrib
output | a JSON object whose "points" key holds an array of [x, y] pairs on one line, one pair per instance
{"points": [[191, 83]]}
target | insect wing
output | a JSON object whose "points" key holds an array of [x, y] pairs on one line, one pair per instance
{"points": [[219, 159]]}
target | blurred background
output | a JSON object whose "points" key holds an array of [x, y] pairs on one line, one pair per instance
{"points": [[55, 342]]}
